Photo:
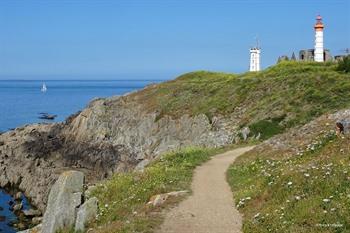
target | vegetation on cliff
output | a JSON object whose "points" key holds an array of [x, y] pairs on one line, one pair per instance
{"points": [[287, 94]]}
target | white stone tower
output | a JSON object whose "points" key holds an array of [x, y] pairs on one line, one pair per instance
{"points": [[318, 53], [255, 59]]}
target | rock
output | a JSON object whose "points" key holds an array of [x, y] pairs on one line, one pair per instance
{"points": [[178, 193], [160, 199], [37, 220], [2, 218], [18, 196], [89, 190], [245, 133], [17, 207], [141, 165], [31, 213], [86, 213], [65, 196], [21, 226], [36, 229]]}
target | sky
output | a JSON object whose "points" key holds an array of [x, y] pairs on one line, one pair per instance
{"points": [[158, 39]]}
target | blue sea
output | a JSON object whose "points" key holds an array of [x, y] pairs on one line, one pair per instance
{"points": [[22, 101]]}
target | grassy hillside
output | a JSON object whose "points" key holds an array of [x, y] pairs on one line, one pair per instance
{"points": [[285, 95], [305, 192]]}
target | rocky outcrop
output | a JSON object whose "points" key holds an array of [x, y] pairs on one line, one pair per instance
{"points": [[65, 196], [111, 135], [66, 208], [86, 213]]}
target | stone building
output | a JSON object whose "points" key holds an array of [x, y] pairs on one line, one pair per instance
{"points": [[309, 55]]}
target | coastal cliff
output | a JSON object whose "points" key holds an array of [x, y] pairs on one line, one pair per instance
{"points": [[110, 135], [208, 109]]}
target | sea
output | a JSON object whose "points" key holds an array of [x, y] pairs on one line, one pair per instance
{"points": [[22, 102]]}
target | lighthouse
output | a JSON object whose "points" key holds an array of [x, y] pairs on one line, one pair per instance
{"points": [[318, 52], [254, 59]]}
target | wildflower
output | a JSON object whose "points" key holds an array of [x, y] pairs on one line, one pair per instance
{"points": [[307, 175], [326, 200], [289, 183], [257, 215], [297, 198]]}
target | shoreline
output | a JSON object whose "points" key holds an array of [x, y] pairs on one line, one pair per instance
{"points": [[27, 215]]}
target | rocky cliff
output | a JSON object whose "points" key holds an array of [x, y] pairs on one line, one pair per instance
{"points": [[111, 135]]}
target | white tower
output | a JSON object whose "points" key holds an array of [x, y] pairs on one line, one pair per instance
{"points": [[318, 53], [255, 59]]}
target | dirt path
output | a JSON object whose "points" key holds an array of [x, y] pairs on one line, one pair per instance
{"points": [[210, 209]]}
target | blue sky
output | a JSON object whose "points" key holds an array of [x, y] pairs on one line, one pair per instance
{"points": [[157, 38]]}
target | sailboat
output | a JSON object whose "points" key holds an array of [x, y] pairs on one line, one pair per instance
{"points": [[44, 88]]}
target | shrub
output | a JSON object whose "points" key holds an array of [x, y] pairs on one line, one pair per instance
{"points": [[344, 64]]}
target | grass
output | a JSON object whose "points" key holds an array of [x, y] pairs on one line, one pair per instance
{"points": [[123, 198], [308, 192], [294, 91]]}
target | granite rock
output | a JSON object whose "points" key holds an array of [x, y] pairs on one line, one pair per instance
{"points": [[65, 196]]}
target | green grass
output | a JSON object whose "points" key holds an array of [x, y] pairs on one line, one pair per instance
{"points": [[308, 192], [123, 198], [296, 91]]}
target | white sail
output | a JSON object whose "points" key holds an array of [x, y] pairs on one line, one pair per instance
{"points": [[44, 88]]}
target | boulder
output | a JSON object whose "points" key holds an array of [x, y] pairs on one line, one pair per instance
{"points": [[65, 196], [31, 212], [160, 199], [86, 213], [37, 220]]}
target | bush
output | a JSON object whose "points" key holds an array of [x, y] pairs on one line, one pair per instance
{"points": [[344, 64]]}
